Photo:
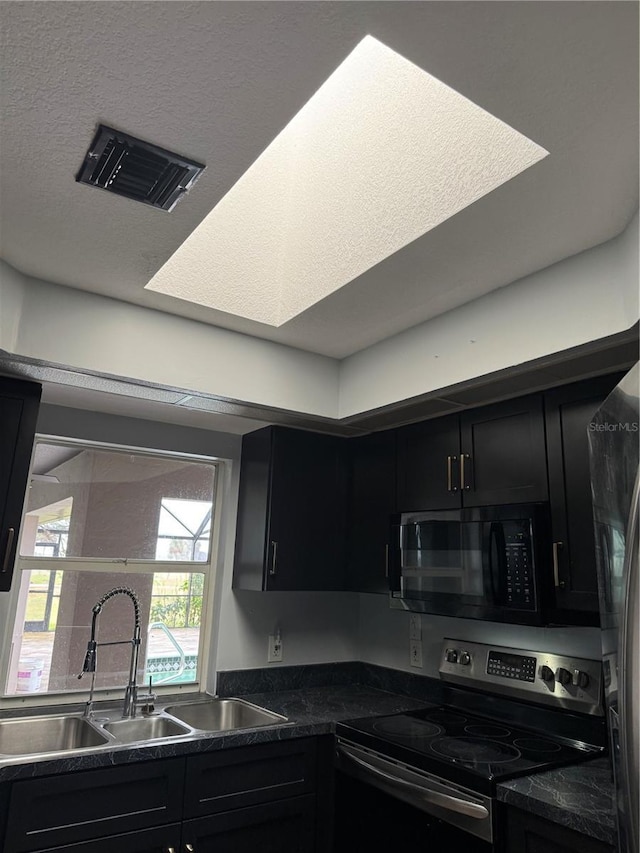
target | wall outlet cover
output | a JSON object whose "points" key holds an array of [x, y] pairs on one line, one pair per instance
{"points": [[415, 653], [274, 652], [415, 626]]}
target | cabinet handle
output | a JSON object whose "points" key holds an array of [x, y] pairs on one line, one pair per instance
{"points": [[450, 486], [556, 568], [274, 558], [7, 551], [170, 850], [189, 848], [463, 484], [386, 560]]}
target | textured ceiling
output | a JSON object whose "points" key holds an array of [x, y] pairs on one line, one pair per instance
{"points": [[218, 81]]}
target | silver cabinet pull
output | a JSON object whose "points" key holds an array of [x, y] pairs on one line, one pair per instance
{"points": [[189, 848], [556, 568], [7, 551], [274, 558], [463, 484], [170, 850], [386, 560], [450, 486]]}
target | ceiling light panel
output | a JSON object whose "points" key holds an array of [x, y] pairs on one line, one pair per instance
{"points": [[381, 154]]}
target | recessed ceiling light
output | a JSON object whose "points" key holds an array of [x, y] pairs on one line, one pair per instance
{"points": [[382, 153]]}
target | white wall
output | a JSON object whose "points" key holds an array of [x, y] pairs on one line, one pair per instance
{"points": [[96, 334], [383, 636], [589, 296], [581, 299]]}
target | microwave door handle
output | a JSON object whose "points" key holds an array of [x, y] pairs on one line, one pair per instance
{"points": [[445, 801], [496, 534]]}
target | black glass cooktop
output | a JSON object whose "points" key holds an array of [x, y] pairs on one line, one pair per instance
{"points": [[457, 744]]}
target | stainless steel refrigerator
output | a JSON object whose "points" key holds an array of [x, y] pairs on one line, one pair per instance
{"points": [[614, 444]]}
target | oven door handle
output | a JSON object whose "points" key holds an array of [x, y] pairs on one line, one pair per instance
{"points": [[445, 801]]}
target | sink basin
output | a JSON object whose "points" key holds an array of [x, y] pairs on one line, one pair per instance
{"points": [[144, 728], [47, 734], [216, 715]]}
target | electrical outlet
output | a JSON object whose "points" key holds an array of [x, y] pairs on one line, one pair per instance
{"points": [[274, 653], [415, 626], [415, 653]]}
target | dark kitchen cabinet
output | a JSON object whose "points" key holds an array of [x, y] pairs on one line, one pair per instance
{"points": [[371, 503], [19, 403], [287, 826], [52, 812], [528, 833], [429, 465], [291, 511], [265, 797], [491, 455], [569, 411]]}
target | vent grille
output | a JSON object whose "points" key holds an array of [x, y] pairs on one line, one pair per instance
{"points": [[138, 170]]}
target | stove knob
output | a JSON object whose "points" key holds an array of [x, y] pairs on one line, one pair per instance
{"points": [[580, 678], [563, 676], [465, 658], [451, 656], [546, 673]]}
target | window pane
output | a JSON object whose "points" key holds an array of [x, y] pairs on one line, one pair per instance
{"points": [[55, 619], [91, 503]]}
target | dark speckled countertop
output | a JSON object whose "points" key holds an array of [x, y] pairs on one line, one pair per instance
{"points": [[578, 797]]}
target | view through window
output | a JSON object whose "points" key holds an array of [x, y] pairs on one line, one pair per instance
{"points": [[99, 518]]}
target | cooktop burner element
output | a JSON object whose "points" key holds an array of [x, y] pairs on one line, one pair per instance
{"points": [[475, 750], [407, 729], [530, 744]]}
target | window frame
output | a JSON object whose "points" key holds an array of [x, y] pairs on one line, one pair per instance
{"points": [[118, 565]]}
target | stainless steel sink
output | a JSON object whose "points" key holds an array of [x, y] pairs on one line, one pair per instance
{"points": [[144, 728], [34, 735], [216, 715]]}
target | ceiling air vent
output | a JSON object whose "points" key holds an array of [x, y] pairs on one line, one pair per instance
{"points": [[138, 170]]}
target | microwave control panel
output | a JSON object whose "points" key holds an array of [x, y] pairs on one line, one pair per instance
{"points": [[523, 673], [520, 591]]}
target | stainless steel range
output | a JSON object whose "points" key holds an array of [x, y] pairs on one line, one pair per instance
{"points": [[536, 711]]}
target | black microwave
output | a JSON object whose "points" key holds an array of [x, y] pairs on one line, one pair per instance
{"points": [[490, 563]]}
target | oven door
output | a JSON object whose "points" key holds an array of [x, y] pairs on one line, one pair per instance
{"points": [[452, 804]]}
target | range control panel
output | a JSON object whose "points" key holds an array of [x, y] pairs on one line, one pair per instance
{"points": [[543, 677]]}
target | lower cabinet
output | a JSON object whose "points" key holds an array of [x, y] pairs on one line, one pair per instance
{"points": [[287, 826], [262, 797], [528, 833]]}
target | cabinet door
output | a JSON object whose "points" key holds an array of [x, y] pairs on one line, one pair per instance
{"points": [[237, 778], [60, 810], [504, 453], [307, 524], [428, 465], [569, 411], [292, 511], [18, 413], [161, 839], [372, 502], [527, 833], [287, 826]]}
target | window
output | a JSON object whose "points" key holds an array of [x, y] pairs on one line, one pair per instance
{"points": [[99, 517]]}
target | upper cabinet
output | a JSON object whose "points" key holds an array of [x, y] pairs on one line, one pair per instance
{"points": [[19, 403], [372, 501], [291, 511], [569, 410], [492, 455]]}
